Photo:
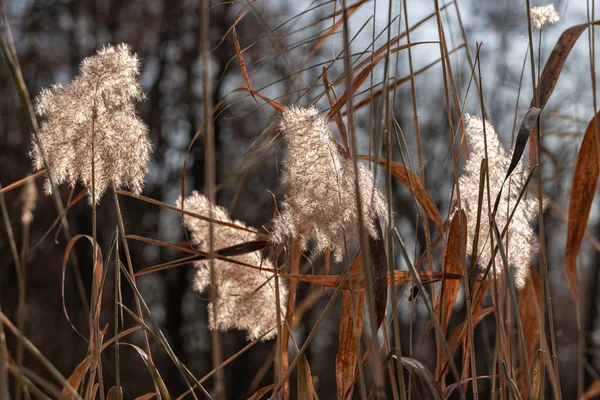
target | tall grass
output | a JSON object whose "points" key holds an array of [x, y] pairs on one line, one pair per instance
{"points": [[496, 292]]}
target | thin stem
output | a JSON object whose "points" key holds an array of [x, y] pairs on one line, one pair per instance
{"points": [[209, 184], [138, 307], [366, 264]]}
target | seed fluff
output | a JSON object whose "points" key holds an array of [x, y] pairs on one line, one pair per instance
{"points": [[246, 297], [544, 14], [320, 205], [94, 118], [521, 243]]}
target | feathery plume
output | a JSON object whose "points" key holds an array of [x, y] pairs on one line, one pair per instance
{"points": [[521, 242], [544, 14], [321, 204], [94, 118], [246, 297]]}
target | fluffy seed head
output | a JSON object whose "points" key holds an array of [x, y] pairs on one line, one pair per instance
{"points": [[246, 297], [521, 242], [94, 118], [321, 204], [544, 14]]}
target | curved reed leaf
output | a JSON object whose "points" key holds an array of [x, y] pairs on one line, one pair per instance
{"points": [[585, 181]]}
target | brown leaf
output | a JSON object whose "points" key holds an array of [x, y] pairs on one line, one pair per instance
{"points": [[146, 396], [304, 380], [77, 377], [527, 128], [198, 255], [333, 281], [535, 376], [529, 300], [116, 393], [552, 70], [459, 334], [424, 383], [585, 180], [238, 54], [414, 184], [592, 392], [380, 272], [453, 264], [259, 394], [347, 355], [556, 61]]}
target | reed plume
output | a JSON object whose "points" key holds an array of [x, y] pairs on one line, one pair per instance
{"points": [[320, 205], [246, 297], [91, 125]]}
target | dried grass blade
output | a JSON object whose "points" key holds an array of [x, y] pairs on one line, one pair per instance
{"points": [[459, 335], [116, 393], [525, 131], [592, 392], [425, 384], [399, 81], [158, 381], [511, 383], [430, 309], [380, 272], [97, 273], [347, 356], [4, 357], [556, 61], [71, 203], [146, 396], [414, 184], [189, 250], [38, 355], [350, 10], [364, 74], [79, 372], [535, 376], [306, 389], [585, 181], [289, 314], [453, 264], [260, 393], [19, 375], [552, 70], [338, 117], [515, 306], [238, 54], [77, 376], [455, 256], [23, 181], [358, 281], [529, 297], [159, 337], [191, 214]]}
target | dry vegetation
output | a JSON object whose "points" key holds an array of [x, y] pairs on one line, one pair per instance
{"points": [[334, 235]]}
